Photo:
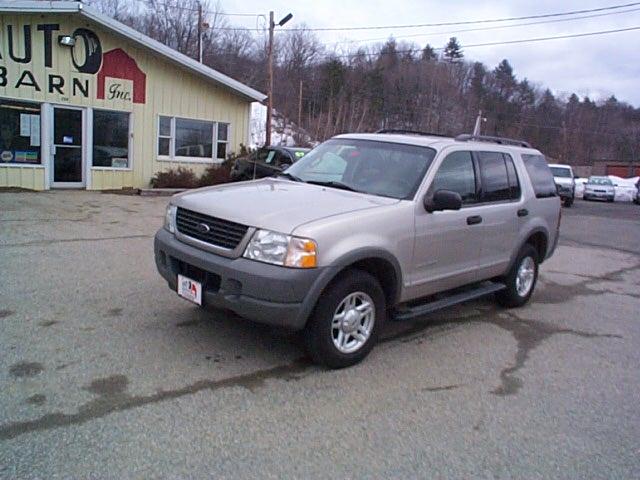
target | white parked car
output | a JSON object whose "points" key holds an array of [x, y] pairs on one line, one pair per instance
{"points": [[565, 182]]}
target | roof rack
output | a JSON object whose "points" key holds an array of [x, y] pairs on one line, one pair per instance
{"points": [[402, 131], [467, 137]]}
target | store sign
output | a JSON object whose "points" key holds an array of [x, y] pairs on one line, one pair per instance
{"points": [[31, 67], [118, 89]]}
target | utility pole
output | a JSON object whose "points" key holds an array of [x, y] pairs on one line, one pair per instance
{"points": [[199, 32], [272, 26], [300, 106], [478, 125]]}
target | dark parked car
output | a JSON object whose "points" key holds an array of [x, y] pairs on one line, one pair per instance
{"points": [[266, 162]]}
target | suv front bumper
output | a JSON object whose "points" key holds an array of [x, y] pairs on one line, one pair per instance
{"points": [[258, 291]]}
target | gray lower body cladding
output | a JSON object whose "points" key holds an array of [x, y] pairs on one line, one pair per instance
{"points": [[258, 291]]}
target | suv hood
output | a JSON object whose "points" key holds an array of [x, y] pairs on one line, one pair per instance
{"points": [[274, 204]]}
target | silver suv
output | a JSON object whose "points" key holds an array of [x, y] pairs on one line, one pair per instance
{"points": [[363, 229]]}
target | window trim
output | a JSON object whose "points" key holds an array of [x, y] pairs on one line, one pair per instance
{"points": [[129, 146], [172, 157]]}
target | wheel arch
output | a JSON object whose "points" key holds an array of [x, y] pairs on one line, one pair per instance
{"points": [[379, 263], [538, 238]]}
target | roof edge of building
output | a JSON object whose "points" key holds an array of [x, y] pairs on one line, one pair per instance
{"points": [[31, 6]]}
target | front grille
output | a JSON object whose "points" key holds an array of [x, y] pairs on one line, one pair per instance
{"points": [[212, 230]]}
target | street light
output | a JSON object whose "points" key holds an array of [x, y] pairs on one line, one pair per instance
{"points": [[272, 26]]}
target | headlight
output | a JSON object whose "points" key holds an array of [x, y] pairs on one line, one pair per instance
{"points": [[170, 218], [280, 249]]}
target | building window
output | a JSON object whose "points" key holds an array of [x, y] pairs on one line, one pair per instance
{"points": [[19, 133], [110, 139], [164, 136], [223, 140], [192, 140]]}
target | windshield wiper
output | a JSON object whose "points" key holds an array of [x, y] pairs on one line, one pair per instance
{"points": [[289, 176], [340, 185]]}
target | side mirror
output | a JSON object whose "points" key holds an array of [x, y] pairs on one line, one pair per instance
{"points": [[443, 200], [284, 166]]}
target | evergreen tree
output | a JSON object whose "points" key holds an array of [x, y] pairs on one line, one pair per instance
{"points": [[505, 79], [428, 53], [453, 50]]}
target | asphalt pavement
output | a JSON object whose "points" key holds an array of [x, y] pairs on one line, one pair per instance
{"points": [[105, 373]]}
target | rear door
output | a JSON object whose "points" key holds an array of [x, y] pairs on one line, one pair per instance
{"points": [[500, 201]]}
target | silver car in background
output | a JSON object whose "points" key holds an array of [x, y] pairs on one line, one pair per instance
{"points": [[599, 188]]}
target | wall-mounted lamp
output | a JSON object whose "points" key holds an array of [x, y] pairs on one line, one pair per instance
{"points": [[66, 40]]}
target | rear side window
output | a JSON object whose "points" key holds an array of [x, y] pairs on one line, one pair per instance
{"points": [[540, 175], [456, 173], [514, 184], [495, 180]]}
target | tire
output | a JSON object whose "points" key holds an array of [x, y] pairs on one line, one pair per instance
{"points": [[512, 296], [353, 289], [568, 202]]}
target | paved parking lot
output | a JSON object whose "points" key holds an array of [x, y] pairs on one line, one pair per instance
{"points": [[105, 373]]}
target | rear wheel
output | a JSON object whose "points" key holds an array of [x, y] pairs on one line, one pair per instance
{"points": [[521, 279], [345, 323]]}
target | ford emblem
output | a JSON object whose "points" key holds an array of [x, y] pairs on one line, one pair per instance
{"points": [[203, 228]]}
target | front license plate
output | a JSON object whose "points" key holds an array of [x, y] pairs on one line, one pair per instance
{"points": [[190, 289]]}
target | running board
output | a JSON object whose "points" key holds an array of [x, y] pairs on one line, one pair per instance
{"points": [[480, 290]]}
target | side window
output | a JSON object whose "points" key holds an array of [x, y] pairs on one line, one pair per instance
{"points": [[514, 184], [283, 159], [495, 181], [456, 173], [540, 174]]}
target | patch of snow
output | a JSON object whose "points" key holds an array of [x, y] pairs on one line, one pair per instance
{"points": [[283, 131], [625, 188]]}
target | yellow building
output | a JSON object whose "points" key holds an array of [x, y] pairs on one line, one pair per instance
{"points": [[87, 102]]}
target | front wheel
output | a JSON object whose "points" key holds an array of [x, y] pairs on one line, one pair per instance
{"points": [[521, 279], [345, 324], [568, 202]]}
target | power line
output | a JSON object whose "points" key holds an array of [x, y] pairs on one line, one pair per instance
{"points": [[469, 22], [492, 44], [479, 29], [188, 9]]}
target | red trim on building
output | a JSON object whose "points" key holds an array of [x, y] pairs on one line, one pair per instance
{"points": [[117, 64]]}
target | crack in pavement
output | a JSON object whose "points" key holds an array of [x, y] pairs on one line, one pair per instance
{"points": [[113, 397], [69, 240], [529, 334]]}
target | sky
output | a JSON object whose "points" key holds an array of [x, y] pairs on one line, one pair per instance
{"points": [[597, 66]]}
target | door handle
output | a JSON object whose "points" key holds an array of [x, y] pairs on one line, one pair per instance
{"points": [[523, 212], [474, 220]]}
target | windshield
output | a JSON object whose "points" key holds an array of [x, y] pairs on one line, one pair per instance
{"points": [[561, 172], [600, 181], [378, 168]]}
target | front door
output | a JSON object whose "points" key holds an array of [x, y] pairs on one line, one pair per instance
{"points": [[448, 243], [68, 151]]}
